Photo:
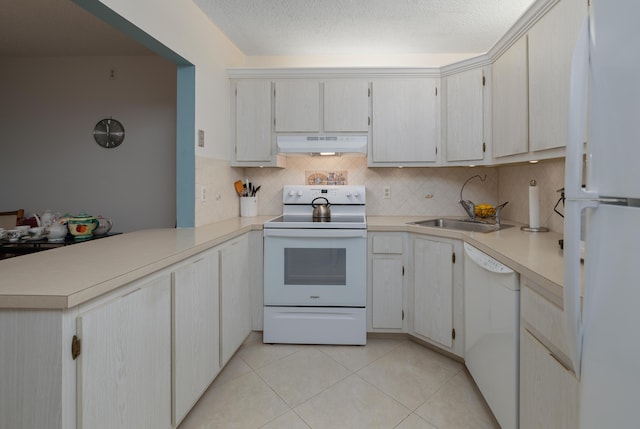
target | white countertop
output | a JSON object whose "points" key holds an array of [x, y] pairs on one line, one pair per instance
{"points": [[68, 276]]}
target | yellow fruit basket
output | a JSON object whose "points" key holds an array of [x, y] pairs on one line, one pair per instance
{"points": [[485, 210]]}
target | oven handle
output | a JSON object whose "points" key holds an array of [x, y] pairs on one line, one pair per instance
{"points": [[316, 233]]}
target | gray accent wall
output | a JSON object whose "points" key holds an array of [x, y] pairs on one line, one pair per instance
{"points": [[49, 159]]}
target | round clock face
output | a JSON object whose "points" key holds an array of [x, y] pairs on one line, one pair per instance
{"points": [[108, 133]]}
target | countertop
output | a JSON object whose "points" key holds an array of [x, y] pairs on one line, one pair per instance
{"points": [[69, 276], [535, 255]]}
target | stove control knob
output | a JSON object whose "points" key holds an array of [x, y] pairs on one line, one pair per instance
{"points": [[299, 193], [348, 194], [356, 194], [291, 193]]}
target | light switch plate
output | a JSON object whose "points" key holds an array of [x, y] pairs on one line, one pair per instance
{"points": [[200, 138]]}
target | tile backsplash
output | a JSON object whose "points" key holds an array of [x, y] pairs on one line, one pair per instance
{"points": [[222, 202], [513, 186], [414, 191]]}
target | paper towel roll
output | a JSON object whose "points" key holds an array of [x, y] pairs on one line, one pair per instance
{"points": [[534, 205]]}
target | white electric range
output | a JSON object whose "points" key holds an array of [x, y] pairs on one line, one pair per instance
{"points": [[315, 269]]}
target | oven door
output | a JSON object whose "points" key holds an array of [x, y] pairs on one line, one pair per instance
{"points": [[315, 267]]}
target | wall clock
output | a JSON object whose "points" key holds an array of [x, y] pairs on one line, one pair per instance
{"points": [[108, 133]]}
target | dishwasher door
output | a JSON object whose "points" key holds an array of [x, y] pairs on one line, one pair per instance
{"points": [[492, 323]]}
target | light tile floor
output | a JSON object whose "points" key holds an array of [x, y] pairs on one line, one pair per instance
{"points": [[389, 383]]}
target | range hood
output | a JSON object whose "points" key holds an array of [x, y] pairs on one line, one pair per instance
{"points": [[322, 144]]}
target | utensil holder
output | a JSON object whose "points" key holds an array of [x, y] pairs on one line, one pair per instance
{"points": [[248, 206]]}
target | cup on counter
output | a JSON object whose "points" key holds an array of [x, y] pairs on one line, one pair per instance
{"points": [[248, 206], [14, 235]]}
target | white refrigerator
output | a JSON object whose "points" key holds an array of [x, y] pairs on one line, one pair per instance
{"points": [[604, 325]]}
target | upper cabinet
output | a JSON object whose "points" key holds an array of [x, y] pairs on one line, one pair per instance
{"points": [[252, 138], [530, 94], [405, 124], [510, 101], [346, 106], [464, 116], [551, 44], [297, 104], [330, 106]]}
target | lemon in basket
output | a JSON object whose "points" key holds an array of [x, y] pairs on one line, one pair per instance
{"points": [[485, 210]]}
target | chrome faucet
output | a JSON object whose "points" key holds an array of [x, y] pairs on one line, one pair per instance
{"points": [[468, 205], [498, 210]]}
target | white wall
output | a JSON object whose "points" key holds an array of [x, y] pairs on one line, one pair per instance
{"points": [[182, 26], [48, 108]]}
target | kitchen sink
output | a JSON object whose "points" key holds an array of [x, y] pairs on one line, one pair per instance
{"points": [[461, 225]]}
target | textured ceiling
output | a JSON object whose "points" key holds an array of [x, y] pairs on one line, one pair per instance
{"points": [[277, 27], [363, 27]]}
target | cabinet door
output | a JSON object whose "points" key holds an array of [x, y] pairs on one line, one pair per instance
{"points": [[297, 106], [405, 121], [346, 105], [548, 391], [433, 290], [195, 331], [465, 119], [124, 369], [551, 44], [253, 121], [510, 101], [387, 273], [235, 300]]}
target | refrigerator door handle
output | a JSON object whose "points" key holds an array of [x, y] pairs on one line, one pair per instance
{"points": [[577, 198], [577, 119]]}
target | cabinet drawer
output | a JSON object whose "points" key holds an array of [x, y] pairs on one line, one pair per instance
{"points": [[548, 392], [388, 244], [545, 321]]}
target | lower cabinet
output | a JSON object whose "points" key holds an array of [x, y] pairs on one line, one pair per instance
{"points": [[548, 384], [124, 369], [548, 391], [437, 292], [145, 352], [195, 331], [235, 298], [386, 282]]}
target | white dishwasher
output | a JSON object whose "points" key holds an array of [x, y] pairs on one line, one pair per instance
{"points": [[492, 323]]}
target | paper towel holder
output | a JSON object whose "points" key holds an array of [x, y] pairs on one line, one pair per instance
{"points": [[528, 228]]}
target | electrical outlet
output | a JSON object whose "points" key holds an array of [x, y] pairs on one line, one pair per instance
{"points": [[387, 192], [203, 194]]}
